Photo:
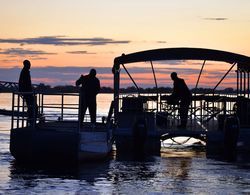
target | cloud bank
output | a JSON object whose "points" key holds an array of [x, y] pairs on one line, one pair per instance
{"points": [[80, 52], [63, 40], [24, 52], [218, 19]]}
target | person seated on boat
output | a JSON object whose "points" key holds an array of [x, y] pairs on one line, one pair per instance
{"points": [[25, 86], [90, 87], [183, 96]]}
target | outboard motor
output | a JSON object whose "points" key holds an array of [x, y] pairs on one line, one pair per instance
{"points": [[231, 134], [139, 135]]}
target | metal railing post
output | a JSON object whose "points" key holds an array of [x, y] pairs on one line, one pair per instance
{"points": [[34, 105], [42, 104], [18, 109], [244, 83], [79, 110], [23, 112], [62, 106], [13, 109]]}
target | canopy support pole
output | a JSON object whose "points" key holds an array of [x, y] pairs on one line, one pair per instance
{"points": [[198, 80], [224, 77], [131, 79], [156, 85]]}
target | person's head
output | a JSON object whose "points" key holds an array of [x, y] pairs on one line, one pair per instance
{"points": [[26, 64], [174, 76], [92, 72]]}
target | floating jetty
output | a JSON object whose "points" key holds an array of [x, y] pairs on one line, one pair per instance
{"points": [[139, 122]]}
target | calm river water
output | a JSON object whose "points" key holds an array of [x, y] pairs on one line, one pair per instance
{"points": [[183, 171]]}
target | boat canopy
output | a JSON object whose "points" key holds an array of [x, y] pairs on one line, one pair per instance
{"points": [[183, 54], [241, 61]]}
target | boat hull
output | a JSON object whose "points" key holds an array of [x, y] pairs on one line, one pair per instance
{"points": [[43, 146], [48, 145]]}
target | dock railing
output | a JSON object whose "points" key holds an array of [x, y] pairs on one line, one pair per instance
{"points": [[46, 108], [205, 109]]}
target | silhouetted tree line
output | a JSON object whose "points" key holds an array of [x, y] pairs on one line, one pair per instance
{"points": [[66, 89], [73, 89]]}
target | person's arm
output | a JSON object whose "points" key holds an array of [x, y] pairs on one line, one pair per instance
{"points": [[175, 91], [79, 81]]}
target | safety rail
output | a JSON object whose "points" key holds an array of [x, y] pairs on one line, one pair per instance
{"points": [[46, 107], [41, 110], [203, 108]]}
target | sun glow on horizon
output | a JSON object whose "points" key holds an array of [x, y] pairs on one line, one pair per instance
{"points": [[89, 34]]}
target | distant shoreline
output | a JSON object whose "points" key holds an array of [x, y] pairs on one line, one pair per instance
{"points": [[74, 89]]}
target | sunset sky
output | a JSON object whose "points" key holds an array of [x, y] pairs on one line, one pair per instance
{"points": [[64, 39]]}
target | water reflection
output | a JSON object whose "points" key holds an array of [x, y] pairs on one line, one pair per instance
{"points": [[92, 172], [114, 169], [173, 171], [109, 175]]}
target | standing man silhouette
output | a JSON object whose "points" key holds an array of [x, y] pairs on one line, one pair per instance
{"points": [[90, 87], [25, 86], [182, 94]]}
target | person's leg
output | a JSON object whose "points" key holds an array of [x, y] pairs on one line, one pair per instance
{"points": [[83, 108], [35, 109], [29, 99], [92, 110], [184, 114]]}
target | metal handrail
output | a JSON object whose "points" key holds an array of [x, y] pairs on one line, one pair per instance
{"points": [[47, 112], [19, 105]]}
